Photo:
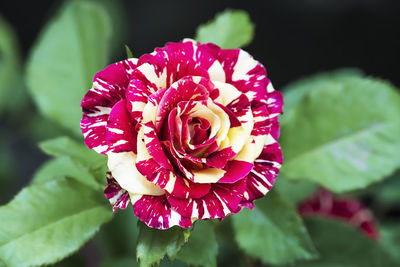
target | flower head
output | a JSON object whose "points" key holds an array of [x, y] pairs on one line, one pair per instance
{"points": [[190, 132]]}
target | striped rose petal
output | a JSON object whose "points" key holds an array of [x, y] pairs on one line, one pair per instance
{"points": [[190, 131], [221, 201], [108, 88], [118, 197], [244, 73], [156, 212], [120, 134], [262, 177]]}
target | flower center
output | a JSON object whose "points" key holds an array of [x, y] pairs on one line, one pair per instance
{"points": [[199, 130]]}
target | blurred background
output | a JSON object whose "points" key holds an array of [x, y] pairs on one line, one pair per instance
{"points": [[293, 39]]}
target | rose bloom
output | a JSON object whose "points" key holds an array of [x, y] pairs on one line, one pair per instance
{"points": [[324, 203], [190, 132]]}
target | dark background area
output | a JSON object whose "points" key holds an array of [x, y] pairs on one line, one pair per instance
{"points": [[293, 39]]}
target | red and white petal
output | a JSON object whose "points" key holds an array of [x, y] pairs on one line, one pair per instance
{"points": [[166, 179], [118, 197], [233, 171], [266, 168], [222, 200], [186, 89], [156, 212], [168, 64], [137, 94], [226, 93], [245, 73], [274, 105], [120, 130], [123, 168], [108, 88]]}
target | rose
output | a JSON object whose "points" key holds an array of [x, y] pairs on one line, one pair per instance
{"points": [[324, 203], [190, 132]]}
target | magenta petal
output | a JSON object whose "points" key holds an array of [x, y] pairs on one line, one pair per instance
{"points": [[108, 88], [137, 93], [252, 77], [120, 134], [235, 170], [118, 197], [238, 108], [266, 168], [156, 212], [222, 200], [154, 172], [185, 189], [154, 147], [181, 59], [186, 89], [219, 158]]}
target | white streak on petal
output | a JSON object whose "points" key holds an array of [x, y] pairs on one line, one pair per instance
{"points": [[216, 72], [210, 175], [123, 169], [245, 62], [148, 70], [270, 88], [252, 149], [102, 111], [227, 92]]}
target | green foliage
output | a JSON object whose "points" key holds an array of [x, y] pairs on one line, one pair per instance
{"points": [[202, 247], [295, 91], [70, 50], [390, 239], [273, 231], [229, 29], [12, 91], [342, 245], [342, 133], [72, 160], [65, 146], [154, 244], [118, 238], [128, 52], [47, 222], [120, 262], [387, 193], [60, 167], [295, 190]]}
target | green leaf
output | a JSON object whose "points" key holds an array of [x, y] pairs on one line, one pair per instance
{"points": [[154, 244], [12, 91], [60, 167], [294, 92], [65, 146], [202, 247], [388, 191], [70, 50], [229, 29], [343, 133], [273, 231], [47, 222], [390, 240], [122, 230], [342, 245], [120, 262], [128, 52], [295, 191]]}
